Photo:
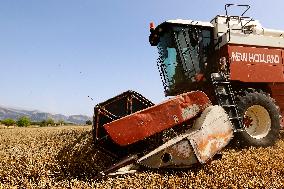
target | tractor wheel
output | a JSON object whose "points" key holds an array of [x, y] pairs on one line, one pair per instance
{"points": [[260, 118]]}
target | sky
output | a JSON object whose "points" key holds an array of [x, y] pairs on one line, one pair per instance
{"points": [[56, 53]]}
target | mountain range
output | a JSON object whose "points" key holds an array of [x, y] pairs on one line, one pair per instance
{"points": [[35, 115]]}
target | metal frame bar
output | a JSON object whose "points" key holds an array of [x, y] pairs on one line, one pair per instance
{"points": [[230, 4]]}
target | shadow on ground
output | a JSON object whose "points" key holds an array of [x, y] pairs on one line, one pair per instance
{"points": [[80, 159], [281, 135]]}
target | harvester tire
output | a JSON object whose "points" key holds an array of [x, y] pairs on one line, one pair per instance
{"points": [[260, 120]]}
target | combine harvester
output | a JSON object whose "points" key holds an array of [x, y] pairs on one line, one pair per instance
{"points": [[225, 79]]}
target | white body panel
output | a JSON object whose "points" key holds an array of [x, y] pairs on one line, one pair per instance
{"points": [[246, 31], [250, 39], [190, 22], [239, 30]]}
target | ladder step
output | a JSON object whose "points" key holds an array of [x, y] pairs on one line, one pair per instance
{"points": [[217, 76], [221, 82], [239, 130], [232, 118], [225, 94], [228, 105]]}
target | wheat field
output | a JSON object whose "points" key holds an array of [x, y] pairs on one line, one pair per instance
{"points": [[63, 157]]}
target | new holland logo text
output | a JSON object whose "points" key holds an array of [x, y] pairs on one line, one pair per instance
{"points": [[255, 58]]}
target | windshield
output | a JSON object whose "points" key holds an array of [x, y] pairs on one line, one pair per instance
{"points": [[187, 43], [169, 63], [182, 55]]}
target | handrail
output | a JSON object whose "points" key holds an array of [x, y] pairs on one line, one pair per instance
{"points": [[229, 5]]}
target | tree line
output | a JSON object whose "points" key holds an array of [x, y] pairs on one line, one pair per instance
{"points": [[26, 121]]}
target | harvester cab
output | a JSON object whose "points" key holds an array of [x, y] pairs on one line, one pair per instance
{"points": [[225, 79], [184, 48]]}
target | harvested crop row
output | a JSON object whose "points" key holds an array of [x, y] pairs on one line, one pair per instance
{"points": [[64, 157]]}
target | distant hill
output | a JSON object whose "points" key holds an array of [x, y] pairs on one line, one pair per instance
{"points": [[35, 115]]}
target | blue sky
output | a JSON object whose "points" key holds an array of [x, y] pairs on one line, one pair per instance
{"points": [[56, 53]]}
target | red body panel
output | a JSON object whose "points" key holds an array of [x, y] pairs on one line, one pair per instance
{"points": [[255, 64], [147, 122]]}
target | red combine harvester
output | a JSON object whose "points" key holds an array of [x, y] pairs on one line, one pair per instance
{"points": [[225, 78]]}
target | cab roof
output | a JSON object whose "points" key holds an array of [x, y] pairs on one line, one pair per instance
{"points": [[155, 33], [190, 22]]}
